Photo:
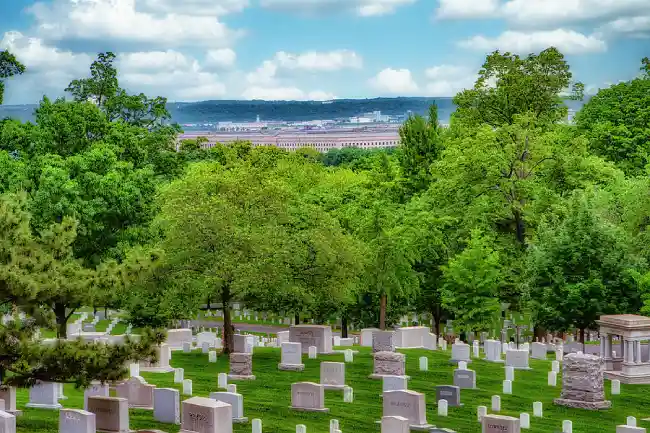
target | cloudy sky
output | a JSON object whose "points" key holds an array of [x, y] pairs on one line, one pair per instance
{"points": [[192, 50]]}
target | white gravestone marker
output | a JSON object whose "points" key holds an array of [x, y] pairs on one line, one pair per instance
{"points": [[496, 403], [538, 409], [524, 420], [442, 408]]}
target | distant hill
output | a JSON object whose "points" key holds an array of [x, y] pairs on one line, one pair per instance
{"points": [[247, 111]]}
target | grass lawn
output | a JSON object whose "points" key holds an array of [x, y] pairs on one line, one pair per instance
{"points": [[269, 396]]}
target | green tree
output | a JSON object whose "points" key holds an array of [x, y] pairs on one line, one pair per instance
{"points": [[420, 146], [9, 66], [580, 267], [645, 66], [509, 85], [472, 282], [617, 123]]}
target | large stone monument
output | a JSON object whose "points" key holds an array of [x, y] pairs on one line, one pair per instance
{"points": [[388, 364], [631, 365], [582, 382], [319, 336], [241, 366]]}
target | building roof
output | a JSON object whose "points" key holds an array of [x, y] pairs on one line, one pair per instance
{"points": [[625, 321]]}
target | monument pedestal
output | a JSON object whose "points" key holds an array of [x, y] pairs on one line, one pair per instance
{"points": [[291, 367], [240, 377], [577, 404]]}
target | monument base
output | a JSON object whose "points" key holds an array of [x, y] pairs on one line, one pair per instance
{"points": [[577, 404], [626, 379], [354, 352], [417, 427], [242, 420], [456, 361], [44, 406], [240, 377], [157, 369], [304, 409], [381, 376], [291, 367], [334, 387]]}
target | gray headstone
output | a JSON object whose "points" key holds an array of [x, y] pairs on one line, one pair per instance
{"points": [[465, 379], [449, 393]]}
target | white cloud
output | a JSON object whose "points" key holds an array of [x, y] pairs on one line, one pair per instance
{"points": [[37, 56], [364, 8], [466, 9], [195, 7], [120, 20], [567, 41], [169, 60], [285, 93], [311, 61], [637, 27], [394, 82], [221, 58], [448, 80]]}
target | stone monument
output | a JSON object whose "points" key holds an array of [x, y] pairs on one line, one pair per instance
{"points": [[388, 364], [319, 336], [582, 382]]}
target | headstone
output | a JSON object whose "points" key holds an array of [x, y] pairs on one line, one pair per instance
{"points": [[243, 343], [462, 365], [407, 404], [283, 337], [179, 375], [465, 379], [74, 421], [552, 378], [231, 388], [163, 356], [567, 426], [410, 337], [394, 383], [236, 401], [346, 342], [308, 396], [166, 405], [7, 422], [555, 366], [222, 380], [524, 420], [383, 341], [187, 387], [176, 338], [429, 341], [388, 364], [481, 411], [449, 393], [291, 357], [8, 395], [348, 395], [366, 336], [500, 424], [460, 352], [44, 395], [507, 387], [424, 363], [134, 369], [496, 403], [442, 408], [476, 349], [510, 373], [111, 413], [582, 382], [212, 356], [517, 359], [187, 347], [631, 421], [332, 375], [205, 347], [204, 415], [395, 424], [137, 391], [256, 425], [538, 409], [313, 352], [539, 351], [348, 355], [241, 366], [95, 389], [312, 335], [616, 387], [629, 429]]}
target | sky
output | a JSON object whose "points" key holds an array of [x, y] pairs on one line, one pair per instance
{"points": [[189, 50]]}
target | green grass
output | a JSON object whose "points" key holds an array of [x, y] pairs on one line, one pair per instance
{"points": [[269, 396]]}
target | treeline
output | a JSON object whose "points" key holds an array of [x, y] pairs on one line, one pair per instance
{"points": [[509, 205]]}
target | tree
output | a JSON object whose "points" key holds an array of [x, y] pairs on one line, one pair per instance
{"points": [[472, 282], [420, 146], [617, 123], [9, 66], [37, 273], [645, 66], [509, 85], [102, 84], [580, 267]]}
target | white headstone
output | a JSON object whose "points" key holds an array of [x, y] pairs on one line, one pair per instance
{"points": [[301, 428], [567, 426], [134, 369], [631, 421], [332, 375], [394, 424], [507, 387], [222, 380], [96, 389], [496, 403], [187, 387], [481, 411], [462, 365], [442, 407], [179, 375], [313, 351], [257, 425], [524, 420], [555, 366], [394, 383], [616, 387], [187, 346], [538, 409], [232, 388], [291, 356], [166, 405], [348, 355], [424, 363], [552, 378], [235, 400], [44, 395], [73, 421], [348, 395], [212, 356]]}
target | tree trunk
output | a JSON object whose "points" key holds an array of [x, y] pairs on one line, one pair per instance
{"points": [[435, 313], [582, 339], [296, 319], [228, 335], [208, 303], [521, 228], [61, 321], [382, 312], [344, 327], [94, 311], [105, 312]]}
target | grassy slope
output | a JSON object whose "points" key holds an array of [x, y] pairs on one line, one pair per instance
{"points": [[269, 396]]}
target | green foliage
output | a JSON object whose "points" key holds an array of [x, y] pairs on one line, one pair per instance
{"points": [[617, 123], [509, 85], [9, 66], [580, 267], [472, 282]]}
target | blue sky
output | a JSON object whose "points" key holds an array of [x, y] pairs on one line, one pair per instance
{"points": [[192, 50]]}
